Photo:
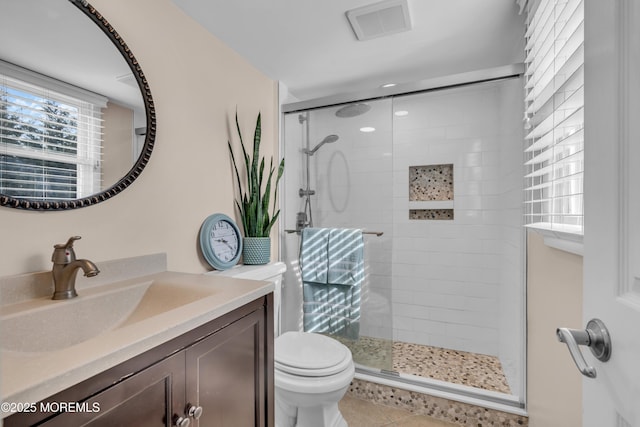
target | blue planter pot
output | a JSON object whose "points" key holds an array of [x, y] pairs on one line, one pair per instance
{"points": [[256, 250]]}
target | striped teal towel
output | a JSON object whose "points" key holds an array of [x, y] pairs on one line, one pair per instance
{"points": [[346, 257], [314, 259], [332, 270]]}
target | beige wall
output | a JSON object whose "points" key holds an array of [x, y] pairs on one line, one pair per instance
{"points": [[554, 299], [196, 82], [117, 149]]}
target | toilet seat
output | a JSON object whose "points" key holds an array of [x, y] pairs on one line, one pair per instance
{"points": [[310, 355]]}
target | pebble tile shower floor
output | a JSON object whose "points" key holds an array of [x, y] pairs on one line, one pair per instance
{"points": [[375, 405], [458, 367]]}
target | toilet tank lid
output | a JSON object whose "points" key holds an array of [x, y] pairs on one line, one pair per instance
{"points": [[253, 272]]}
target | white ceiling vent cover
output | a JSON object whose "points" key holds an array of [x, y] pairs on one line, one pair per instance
{"points": [[380, 19]]}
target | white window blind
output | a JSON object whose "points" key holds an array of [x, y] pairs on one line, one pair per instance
{"points": [[554, 116], [50, 142]]}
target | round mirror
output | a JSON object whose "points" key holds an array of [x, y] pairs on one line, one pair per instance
{"points": [[77, 120]]}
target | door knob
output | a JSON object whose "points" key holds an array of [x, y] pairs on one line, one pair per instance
{"points": [[595, 336]]}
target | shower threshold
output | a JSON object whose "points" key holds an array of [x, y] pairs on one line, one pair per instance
{"points": [[438, 389]]}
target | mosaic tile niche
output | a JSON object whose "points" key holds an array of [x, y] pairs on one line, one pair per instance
{"points": [[431, 214], [431, 183]]}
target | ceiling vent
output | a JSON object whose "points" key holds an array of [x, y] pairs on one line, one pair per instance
{"points": [[380, 19]]}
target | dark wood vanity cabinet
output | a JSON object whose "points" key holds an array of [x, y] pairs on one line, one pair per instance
{"points": [[219, 374], [225, 374], [146, 399]]}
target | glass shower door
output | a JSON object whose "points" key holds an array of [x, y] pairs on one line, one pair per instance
{"points": [[339, 167]]}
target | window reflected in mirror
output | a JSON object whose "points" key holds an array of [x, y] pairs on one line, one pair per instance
{"points": [[77, 125]]}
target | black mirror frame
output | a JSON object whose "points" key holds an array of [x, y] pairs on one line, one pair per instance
{"points": [[147, 148]]}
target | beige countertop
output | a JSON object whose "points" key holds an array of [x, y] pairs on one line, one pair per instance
{"points": [[30, 376]]}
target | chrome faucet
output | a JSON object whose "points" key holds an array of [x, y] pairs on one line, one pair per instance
{"points": [[65, 268]]}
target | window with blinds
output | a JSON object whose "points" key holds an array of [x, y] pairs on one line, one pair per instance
{"points": [[554, 116], [50, 142]]}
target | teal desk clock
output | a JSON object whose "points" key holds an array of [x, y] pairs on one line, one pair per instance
{"points": [[220, 241]]}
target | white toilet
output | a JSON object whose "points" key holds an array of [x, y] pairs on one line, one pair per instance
{"points": [[312, 371]]}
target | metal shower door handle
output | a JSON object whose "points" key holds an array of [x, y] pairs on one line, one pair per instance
{"points": [[596, 337]]}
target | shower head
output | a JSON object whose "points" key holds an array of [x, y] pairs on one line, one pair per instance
{"points": [[327, 140], [353, 110]]}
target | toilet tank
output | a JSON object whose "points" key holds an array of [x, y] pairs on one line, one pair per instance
{"points": [[272, 272]]}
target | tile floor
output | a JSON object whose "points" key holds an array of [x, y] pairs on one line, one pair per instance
{"points": [[371, 405], [458, 413], [458, 367], [454, 366], [362, 413]]}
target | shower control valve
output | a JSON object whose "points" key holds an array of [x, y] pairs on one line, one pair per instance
{"points": [[301, 221]]}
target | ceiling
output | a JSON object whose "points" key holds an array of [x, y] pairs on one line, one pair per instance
{"points": [[310, 47]]}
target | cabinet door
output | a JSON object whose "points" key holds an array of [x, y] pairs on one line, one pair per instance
{"points": [[225, 375], [146, 399]]}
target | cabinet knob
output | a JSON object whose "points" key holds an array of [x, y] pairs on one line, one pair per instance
{"points": [[181, 421], [194, 411]]}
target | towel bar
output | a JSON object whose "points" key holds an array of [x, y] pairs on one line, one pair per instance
{"points": [[377, 233]]}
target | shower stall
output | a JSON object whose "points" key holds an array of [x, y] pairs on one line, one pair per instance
{"points": [[434, 179]]}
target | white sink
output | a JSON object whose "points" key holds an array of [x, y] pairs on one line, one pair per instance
{"points": [[44, 325]]}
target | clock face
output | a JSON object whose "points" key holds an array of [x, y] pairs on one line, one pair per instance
{"points": [[220, 241], [224, 241]]}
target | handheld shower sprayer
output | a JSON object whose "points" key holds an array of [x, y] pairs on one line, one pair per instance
{"points": [[304, 219], [327, 140]]}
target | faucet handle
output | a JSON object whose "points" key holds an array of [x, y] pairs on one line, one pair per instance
{"points": [[69, 243], [63, 253]]}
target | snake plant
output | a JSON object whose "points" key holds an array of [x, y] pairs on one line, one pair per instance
{"points": [[253, 203]]}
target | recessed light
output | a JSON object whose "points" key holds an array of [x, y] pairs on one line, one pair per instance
{"points": [[367, 129], [388, 85], [401, 113]]}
